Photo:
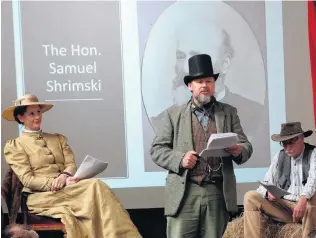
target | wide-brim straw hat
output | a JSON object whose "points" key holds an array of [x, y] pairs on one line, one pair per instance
{"points": [[290, 130], [26, 100]]}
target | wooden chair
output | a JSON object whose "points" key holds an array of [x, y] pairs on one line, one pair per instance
{"points": [[11, 192]]}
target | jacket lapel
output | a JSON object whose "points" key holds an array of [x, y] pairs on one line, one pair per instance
{"points": [[187, 128]]}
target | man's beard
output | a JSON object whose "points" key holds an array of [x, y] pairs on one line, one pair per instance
{"points": [[204, 99]]}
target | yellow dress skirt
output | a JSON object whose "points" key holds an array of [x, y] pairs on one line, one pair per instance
{"points": [[88, 209]]}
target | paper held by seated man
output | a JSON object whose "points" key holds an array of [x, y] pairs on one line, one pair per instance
{"points": [[90, 167], [274, 190], [217, 143]]}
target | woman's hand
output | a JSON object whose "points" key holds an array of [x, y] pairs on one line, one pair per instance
{"points": [[71, 180], [59, 182]]}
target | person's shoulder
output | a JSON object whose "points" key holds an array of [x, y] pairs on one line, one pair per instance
{"points": [[13, 144], [54, 135], [312, 149], [278, 155], [178, 109], [310, 146], [226, 107], [51, 134]]}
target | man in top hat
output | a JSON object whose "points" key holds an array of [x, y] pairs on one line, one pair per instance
{"points": [[293, 169], [200, 192]]}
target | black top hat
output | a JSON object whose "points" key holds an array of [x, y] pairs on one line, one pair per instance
{"points": [[290, 130], [200, 66]]}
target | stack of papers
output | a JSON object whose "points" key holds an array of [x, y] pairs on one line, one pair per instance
{"points": [[90, 167], [217, 143]]}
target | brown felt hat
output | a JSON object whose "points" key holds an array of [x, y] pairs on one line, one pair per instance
{"points": [[290, 130]]}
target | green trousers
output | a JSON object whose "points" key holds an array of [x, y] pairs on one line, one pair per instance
{"points": [[202, 213]]}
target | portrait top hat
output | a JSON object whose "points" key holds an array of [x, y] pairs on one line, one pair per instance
{"points": [[290, 130], [26, 100], [200, 66]]}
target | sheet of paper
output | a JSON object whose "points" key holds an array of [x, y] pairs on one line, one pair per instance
{"points": [[274, 190], [222, 140], [217, 143], [90, 167]]}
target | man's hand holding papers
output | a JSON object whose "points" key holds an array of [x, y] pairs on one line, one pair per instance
{"points": [[234, 150], [189, 160]]}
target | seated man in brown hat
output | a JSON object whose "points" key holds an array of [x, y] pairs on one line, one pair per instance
{"points": [[294, 170]]}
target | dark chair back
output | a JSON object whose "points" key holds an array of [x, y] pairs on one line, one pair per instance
{"points": [[11, 191]]}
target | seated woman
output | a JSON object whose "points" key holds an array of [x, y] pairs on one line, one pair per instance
{"points": [[45, 163]]}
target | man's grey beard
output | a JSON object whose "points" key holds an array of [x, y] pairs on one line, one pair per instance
{"points": [[204, 99]]}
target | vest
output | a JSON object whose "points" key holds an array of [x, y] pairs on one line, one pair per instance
{"points": [[200, 139], [284, 166]]}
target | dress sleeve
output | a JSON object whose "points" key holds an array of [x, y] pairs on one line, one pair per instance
{"points": [[17, 158]]}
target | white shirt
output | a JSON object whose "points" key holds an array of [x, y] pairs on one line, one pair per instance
{"points": [[296, 188], [29, 131]]}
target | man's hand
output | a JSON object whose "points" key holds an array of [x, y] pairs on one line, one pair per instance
{"points": [[71, 180], [59, 182], [189, 160], [234, 150], [271, 197], [299, 209]]}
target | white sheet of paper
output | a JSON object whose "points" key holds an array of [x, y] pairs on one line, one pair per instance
{"points": [[90, 167], [222, 140], [217, 143], [274, 190]]}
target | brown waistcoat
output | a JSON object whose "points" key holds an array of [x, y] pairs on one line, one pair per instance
{"points": [[201, 170]]}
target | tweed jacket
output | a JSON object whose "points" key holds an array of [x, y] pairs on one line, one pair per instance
{"points": [[174, 138], [38, 158]]}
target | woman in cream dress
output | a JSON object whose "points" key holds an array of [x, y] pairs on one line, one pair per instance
{"points": [[45, 163]]}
